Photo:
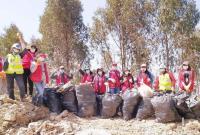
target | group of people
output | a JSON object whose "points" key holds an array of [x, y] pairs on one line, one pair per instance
{"points": [[28, 67], [114, 82]]}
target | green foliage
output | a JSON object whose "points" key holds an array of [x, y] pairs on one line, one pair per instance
{"points": [[64, 34], [8, 39], [124, 23]]}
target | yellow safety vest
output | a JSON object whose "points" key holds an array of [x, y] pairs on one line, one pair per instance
{"points": [[15, 64], [165, 82]]}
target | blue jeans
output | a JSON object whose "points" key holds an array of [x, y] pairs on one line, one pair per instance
{"points": [[114, 90], [40, 88]]}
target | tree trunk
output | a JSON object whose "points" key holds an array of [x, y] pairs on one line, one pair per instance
{"points": [[167, 51]]}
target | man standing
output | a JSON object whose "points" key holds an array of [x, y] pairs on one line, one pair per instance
{"points": [[14, 71], [28, 54], [114, 80]]}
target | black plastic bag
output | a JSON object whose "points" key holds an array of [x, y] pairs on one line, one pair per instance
{"points": [[180, 100], [145, 109], [165, 110], [130, 104], [110, 104], [86, 98], [193, 103], [99, 99], [69, 101], [38, 100], [52, 100]]}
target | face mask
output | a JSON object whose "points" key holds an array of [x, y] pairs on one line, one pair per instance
{"points": [[33, 50], [114, 68], [100, 73], [185, 67], [126, 73], [162, 70], [143, 69], [62, 70], [15, 51], [88, 71]]}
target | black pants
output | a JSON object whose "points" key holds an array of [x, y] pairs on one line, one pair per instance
{"points": [[10, 85], [26, 77]]}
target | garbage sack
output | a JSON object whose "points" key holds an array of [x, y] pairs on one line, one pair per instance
{"points": [[52, 100], [165, 110], [69, 101], [180, 100], [99, 99], [131, 100], [86, 100], [145, 91], [193, 103], [145, 109], [37, 100], [110, 104]]}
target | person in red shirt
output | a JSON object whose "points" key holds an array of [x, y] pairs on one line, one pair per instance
{"points": [[39, 74], [1, 64], [127, 82], [114, 80], [144, 76], [28, 54], [99, 82], [186, 78], [87, 75], [61, 77]]}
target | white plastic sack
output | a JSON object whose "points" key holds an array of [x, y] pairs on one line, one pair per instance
{"points": [[145, 91]]}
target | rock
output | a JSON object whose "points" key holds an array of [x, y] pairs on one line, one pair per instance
{"points": [[14, 113], [93, 132], [172, 126], [194, 125]]}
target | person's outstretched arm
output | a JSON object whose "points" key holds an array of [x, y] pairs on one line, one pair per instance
{"points": [[22, 41]]}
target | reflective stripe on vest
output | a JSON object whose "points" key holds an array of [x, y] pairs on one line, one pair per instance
{"points": [[15, 64], [165, 82]]}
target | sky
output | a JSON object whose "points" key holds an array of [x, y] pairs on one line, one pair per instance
{"points": [[26, 14]]}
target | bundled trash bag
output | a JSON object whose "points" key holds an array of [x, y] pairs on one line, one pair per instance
{"points": [[110, 104], [52, 100], [145, 109], [165, 110], [145, 91], [99, 99], [69, 101], [193, 103], [131, 100], [38, 100], [180, 100], [86, 100]]}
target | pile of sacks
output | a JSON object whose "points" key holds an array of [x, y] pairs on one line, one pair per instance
{"points": [[14, 113], [144, 104]]}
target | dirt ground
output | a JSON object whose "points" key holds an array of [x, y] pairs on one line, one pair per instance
{"points": [[18, 118]]}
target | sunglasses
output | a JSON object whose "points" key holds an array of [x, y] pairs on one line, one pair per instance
{"points": [[185, 65], [143, 67]]}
